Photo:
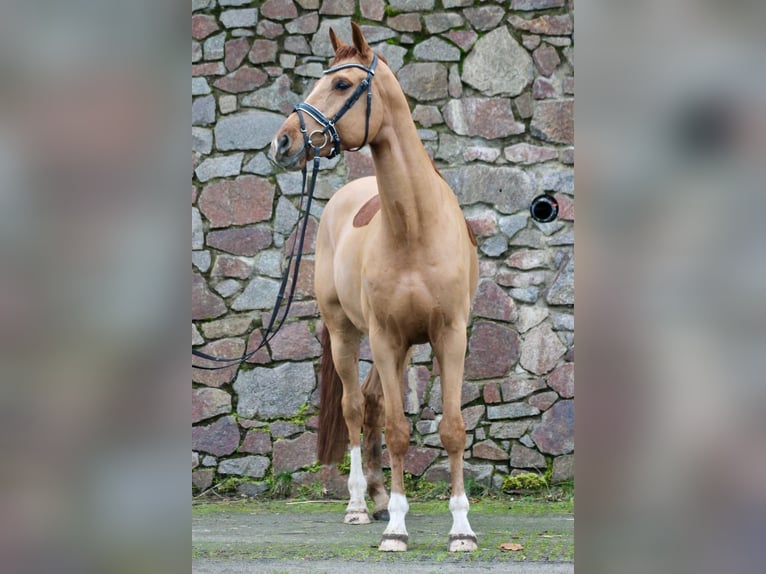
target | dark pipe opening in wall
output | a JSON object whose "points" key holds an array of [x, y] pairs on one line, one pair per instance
{"points": [[544, 208]]}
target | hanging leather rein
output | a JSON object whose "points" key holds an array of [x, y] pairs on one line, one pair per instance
{"points": [[329, 134]]}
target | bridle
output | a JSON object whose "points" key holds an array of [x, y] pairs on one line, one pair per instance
{"points": [[328, 131], [329, 134]]}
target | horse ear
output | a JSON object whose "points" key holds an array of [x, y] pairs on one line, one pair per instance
{"points": [[359, 41], [335, 41]]}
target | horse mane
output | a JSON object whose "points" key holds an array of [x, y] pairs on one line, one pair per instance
{"points": [[348, 52]]}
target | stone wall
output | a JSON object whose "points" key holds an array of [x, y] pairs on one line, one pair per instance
{"points": [[491, 88]]}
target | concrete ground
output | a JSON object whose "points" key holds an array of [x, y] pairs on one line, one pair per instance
{"points": [[312, 539]]}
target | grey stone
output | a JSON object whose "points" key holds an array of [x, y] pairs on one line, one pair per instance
{"points": [[509, 189], [523, 457], [436, 49], [436, 23], [200, 86], [527, 5], [196, 337], [374, 34], [427, 115], [259, 294], [494, 246], [563, 468], [202, 140], [450, 149], [227, 287], [525, 294], [427, 135], [518, 388], [555, 432], [527, 441], [260, 165], [198, 234], [320, 41], [272, 393], [496, 51], [277, 96], [424, 81], [512, 224], [247, 130], [563, 238], [203, 110], [227, 103], [511, 411], [200, 4], [393, 54], [242, 18], [561, 291], [269, 263], [454, 83], [201, 260], [541, 350], [195, 459], [562, 321], [213, 47], [561, 180], [456, 3], [209, 461], [411, 5], [255, 466], [220, 166], [234, 2], [310, 70], [513, 429], [286, 216], [530, 317]]}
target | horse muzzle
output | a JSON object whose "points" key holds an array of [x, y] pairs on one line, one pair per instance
{"points": [[281, 147]]}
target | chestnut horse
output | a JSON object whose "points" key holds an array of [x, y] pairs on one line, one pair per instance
{"points": [[396, 260]]}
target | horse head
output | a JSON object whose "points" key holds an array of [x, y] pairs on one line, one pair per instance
{"points": [[339, 113]]}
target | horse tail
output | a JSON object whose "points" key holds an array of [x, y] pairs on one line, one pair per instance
{"points": [[332, 432]]}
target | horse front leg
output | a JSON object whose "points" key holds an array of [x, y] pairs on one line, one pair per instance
{"points": [[389, 360], [450, 352], [345, 354]]}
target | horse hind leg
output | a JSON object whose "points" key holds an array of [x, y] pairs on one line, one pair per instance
{"points": [[371, 447]]}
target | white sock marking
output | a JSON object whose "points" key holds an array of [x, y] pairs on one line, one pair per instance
{"points": [[357, 484], [397, 510], [458, 506]]}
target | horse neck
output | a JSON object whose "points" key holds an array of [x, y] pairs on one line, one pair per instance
{"points": [[408, 184]]}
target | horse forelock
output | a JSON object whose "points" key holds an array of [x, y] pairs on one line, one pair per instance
{"points": [[349, 52]]}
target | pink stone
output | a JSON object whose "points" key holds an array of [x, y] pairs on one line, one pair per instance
{"points": [[483, 224], [494, 303], [246, 199], [207, 403], [555, 432], [529, 259], [415, 390], [205, 303], [337, 7], [263, 51], [416, 461], [541, 350], [235, 51], [218, 439], [543, 401], [547, 25], [269, 29], [492, 393], [359, 164], [523, 457], [546, 59], [372, 9], [279, 9], [256, 442], [527, 154], [517, 388], [566, 207], [290, 455], [562, 381], [553, 121], [261, 357], [203, 25], [543, 88], [405, 22], [489, 450], [228, 266], [493, 349], [208, 69], [294, 342], [224, 348], [240, 240], [243, 80], [464, 39]]}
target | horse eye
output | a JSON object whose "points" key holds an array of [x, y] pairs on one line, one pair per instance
{"points": [[342, 85]]}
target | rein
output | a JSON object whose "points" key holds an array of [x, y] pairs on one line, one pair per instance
{"points": [[328, 133]]}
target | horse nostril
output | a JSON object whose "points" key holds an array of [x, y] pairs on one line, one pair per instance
{"points": [[283, 145]]}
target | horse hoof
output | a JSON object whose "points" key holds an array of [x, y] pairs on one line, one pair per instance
{"points": [[357, 517], [462, 543], [381, 514], [393, 543]]}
